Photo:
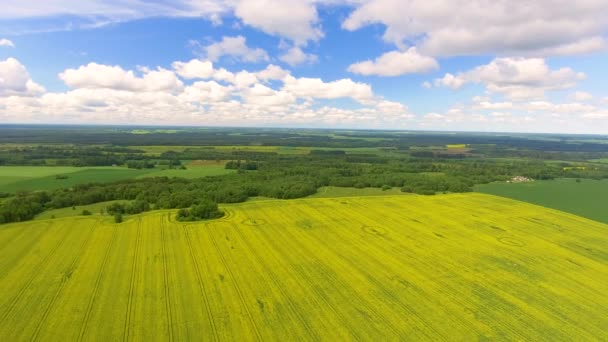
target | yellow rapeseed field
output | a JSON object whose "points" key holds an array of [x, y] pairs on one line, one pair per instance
{"points": [[452, 267]]}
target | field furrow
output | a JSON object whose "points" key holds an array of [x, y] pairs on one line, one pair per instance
{"points": [[451, 267]]}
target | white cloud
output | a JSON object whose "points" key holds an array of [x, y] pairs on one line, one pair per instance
{"points": [[95, 75], [96, 13], [296, 20], [316, 88], [449, 80], [111, 94], [598, 115], [6, 43], [464, 27], [194, 68], [15, 80], [272, 72], [516, 78], [269, 97], [262, 95], [434, 116], [236, 48], [205, 92], [396, 63], [583, 46], [581, 96], [296, 56]]}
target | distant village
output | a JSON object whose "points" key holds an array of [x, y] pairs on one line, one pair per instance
{"points": [[520, 179]]}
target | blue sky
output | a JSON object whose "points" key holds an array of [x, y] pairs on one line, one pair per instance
{"points": [[444, 65]]}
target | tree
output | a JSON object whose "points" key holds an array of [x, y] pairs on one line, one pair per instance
{"points": [[206, 209]]}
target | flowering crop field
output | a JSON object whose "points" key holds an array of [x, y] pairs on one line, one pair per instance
{"points": [[448, 267]]}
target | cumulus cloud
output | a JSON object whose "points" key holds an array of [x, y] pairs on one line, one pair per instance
{"points": [[295, 56], [516, 78], [396, 63], [205, 92], [195, 92], [235, 48], [296, 20], [194, 68], [15, 80], [272, 72], [6, 43], [317, 88], [95, 75], [480, 27], [581, 96], [450, 81]]}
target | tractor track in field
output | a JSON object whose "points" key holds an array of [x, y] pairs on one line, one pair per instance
{"points": [[64, 281], [26, 249], [377, 283], [164, 261], [36, 272], [368, 307], [281, 289], [130, 302], [201, 284], [236, 287], [100, 274], [21, 233], [321, 296]]}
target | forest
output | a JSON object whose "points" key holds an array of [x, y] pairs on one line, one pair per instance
{"points": [[424, 169]]}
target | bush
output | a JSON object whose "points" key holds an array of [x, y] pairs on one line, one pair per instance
{"points": [[205, 210], [86, 213], [118, 218]]}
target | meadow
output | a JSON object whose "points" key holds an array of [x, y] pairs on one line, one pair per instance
{"points": [[586, 198], [33, 178], [334, 191], [36, 178], [448, 267]]}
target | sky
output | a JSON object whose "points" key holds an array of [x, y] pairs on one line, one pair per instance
{"points": [[499, 66]]}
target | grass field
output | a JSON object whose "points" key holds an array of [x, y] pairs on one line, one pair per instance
{"points": [[40, 181], [95, 209], [460, 267], [191, 172], [587, 198], [14, 174], [334, 191], [30, 178]]}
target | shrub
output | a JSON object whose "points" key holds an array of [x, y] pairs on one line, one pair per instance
{"points": [[118, 218], [86, 213], [205, 210]]}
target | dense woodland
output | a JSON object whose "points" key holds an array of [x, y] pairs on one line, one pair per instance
{"points": [[281, 176]]}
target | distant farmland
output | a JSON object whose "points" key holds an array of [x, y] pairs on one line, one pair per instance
{"points": [[34, 178], [587, 197], [450, 267]]}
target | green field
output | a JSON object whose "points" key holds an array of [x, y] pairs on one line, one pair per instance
{"points": [[46, 178], [587, 198], [14, 174], [95, 209], [191, 172], [32, 178], [460, 267], [334, 191]]}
